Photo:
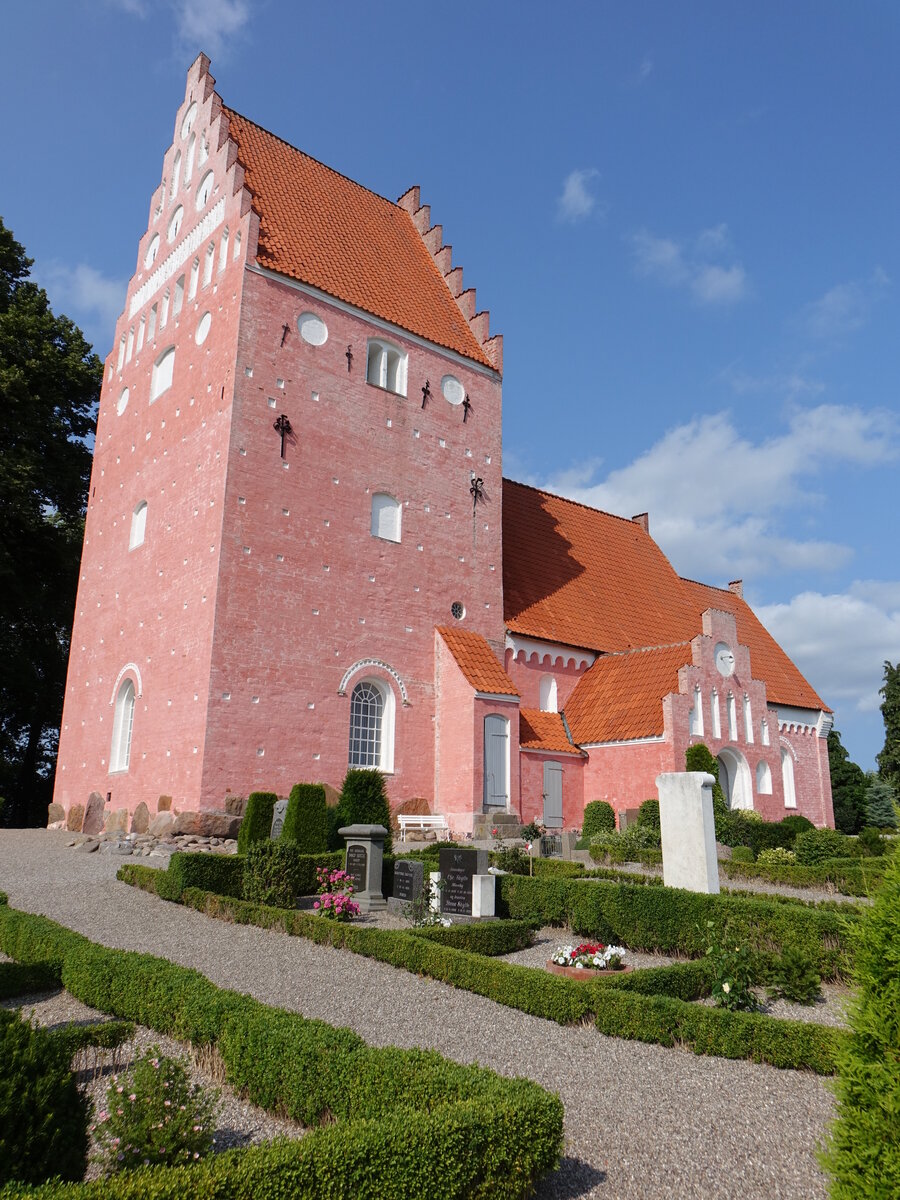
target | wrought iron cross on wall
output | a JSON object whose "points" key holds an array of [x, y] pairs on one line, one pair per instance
{"points": [[283, 426]]}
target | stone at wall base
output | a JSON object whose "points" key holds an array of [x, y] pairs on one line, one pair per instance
{"points": [[93, 814], [164, 804], [140, 822], [75, 818], [235, 806], [213, 823], [584, 972], [117, 822], [55, 812], [161, 824]]}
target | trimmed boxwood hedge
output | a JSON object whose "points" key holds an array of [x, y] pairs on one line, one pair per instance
{"points": [[256, 825], [21, 979], [405, 1119], [306, 818], [482, 937], [850, 877], [674, 921]]}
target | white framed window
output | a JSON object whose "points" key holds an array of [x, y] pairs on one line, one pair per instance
{"points": [[386, 366], [372, 726], [138, 525], [763, 778], [161, 376], [204, 191], [787, 779], [386, 516], [123, 724], [548, 694]]}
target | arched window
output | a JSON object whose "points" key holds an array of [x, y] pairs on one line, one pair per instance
{"points": [[176, 173], [223, 250], [764, 727], [195, 276], [732, 717], [763, 779], [161, 376], [386, 367], [175, 223], [208, 263], [716, 714], [748, 719], [204, 191], [496, 762], [735, 778], [548, 694], [372, 725], [138, 525], [787, 778], [189, 161], [123, 723], [152, 251], [386, 512]]}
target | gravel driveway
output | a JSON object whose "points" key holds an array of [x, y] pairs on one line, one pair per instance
{"points": [[641, 1121]]}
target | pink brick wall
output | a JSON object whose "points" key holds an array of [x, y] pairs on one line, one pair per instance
{"points": [[532, 786]]}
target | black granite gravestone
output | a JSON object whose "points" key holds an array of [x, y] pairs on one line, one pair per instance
{"points": [[458, 867], [409, 879], [357, 864]]}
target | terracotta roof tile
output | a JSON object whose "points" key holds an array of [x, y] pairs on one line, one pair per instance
{"points": [[319, 227], [544, 731], [477, 661], [620, 697]]}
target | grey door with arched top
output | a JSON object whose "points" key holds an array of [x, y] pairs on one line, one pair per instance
{"points": [[496, 762], [553, 805]]}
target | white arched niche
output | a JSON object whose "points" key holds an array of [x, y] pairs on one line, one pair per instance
{"points": [[549, 700], [735, 778]]}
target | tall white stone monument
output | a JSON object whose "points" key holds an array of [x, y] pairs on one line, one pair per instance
{"points": [[688, 831]]}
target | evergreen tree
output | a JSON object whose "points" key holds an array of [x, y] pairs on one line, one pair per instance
{"points": [[49, 385], [889, 758], [881, 809], [848, 787]]}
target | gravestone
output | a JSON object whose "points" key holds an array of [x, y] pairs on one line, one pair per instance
{"points": [[365, 854], [140, 822], [75, 818], [278, 818], [458, 868], [164, 804], [688, 831], [409, 882], [93, 814]]}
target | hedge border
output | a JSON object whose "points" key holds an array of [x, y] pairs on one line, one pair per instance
{"points": [[465, 1128]]}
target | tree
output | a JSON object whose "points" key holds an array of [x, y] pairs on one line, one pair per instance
{"points": [[49, 386], [848, 787], [889, 758], [881, 810]]}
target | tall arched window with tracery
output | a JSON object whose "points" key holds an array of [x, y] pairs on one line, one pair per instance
{"points": [[123, 724], [371, 726]]}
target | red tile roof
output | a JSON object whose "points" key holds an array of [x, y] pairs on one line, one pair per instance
{"points": [[581, 577], [319, 227], [543, 731], [477, 661], [620, 697]]}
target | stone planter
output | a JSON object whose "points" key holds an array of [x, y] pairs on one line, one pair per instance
{"points": [[584, 972]]}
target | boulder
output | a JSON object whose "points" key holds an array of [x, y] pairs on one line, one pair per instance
{"points": [[235, 805], [75, 818], [210, 823], [140, 822], [55, 813], [117, 822], [161, 824], [164, 804], [93, 814]]}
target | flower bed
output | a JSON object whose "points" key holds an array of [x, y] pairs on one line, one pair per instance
{"points": [[587, 959]]}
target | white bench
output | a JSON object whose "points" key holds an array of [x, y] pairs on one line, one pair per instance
{"points": [[423, 821]]}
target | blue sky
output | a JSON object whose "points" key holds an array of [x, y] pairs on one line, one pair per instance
{"points": [[683, 219]]}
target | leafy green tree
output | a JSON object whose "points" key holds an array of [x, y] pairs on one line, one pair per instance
{"points": [[880, 805], [889, 758], [848, 787], [49, 386]]}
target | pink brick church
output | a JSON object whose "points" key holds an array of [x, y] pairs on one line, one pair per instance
{"points": [[301, 554]]}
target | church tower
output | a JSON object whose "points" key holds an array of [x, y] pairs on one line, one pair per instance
{"points": [[297, 477]]}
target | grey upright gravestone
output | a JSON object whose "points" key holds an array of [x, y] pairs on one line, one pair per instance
{"points": [[278, 818], [365, 852], [458, 868]]}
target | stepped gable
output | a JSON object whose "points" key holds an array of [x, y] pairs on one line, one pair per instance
{"points": [[784, 682], [620, 697], [540, 730], [477, 661], [575, 575], [320, 228], [433, 240]]}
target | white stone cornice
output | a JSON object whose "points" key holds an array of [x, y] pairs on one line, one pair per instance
{"points": [[529, 646]]}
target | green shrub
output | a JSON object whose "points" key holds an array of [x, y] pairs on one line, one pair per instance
{"points": [[512, 859], [648, 814], [20, 979], [793, 977], [870, 843], [491, 938], [816, 846], [599, 816], [43, 1129], [732, 968], [777, 856], [881, 805], [364, 801], [850, 876], [555, 868], [743, 854], [154, 1114], [700, 758], [221, 873], [269, 873], [625, 846], [257, 823], [796, 824], [863, 1152], [306, 818]]}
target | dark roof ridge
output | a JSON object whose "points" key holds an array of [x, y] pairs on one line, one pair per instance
{"points": [[230, 112], [601, 654], [712, 586], [578, 503]]}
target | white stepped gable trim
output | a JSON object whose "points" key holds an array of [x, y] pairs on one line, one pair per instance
{"points": [[178, 257], [372, 662]]}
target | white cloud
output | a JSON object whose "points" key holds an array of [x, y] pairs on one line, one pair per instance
{"points": [[716, 499], [692, 264], [210, 24], [645, 70], [792, 385], [840, 641], [89, 298], [576, 200], [844, 308]]}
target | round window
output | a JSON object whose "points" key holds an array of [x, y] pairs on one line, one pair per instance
{"points": [[457, 610], [454, 392], [203, 329], [312, 329]]}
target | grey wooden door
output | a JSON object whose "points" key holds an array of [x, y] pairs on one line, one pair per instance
{"points": [[496, 762], [553, 808]]}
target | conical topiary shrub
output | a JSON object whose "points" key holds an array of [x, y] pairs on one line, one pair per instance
{"points": [[306, 818], [364, 801], [257, 823]]}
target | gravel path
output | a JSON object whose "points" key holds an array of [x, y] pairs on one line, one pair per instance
{"points": [[641, 1121]]}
